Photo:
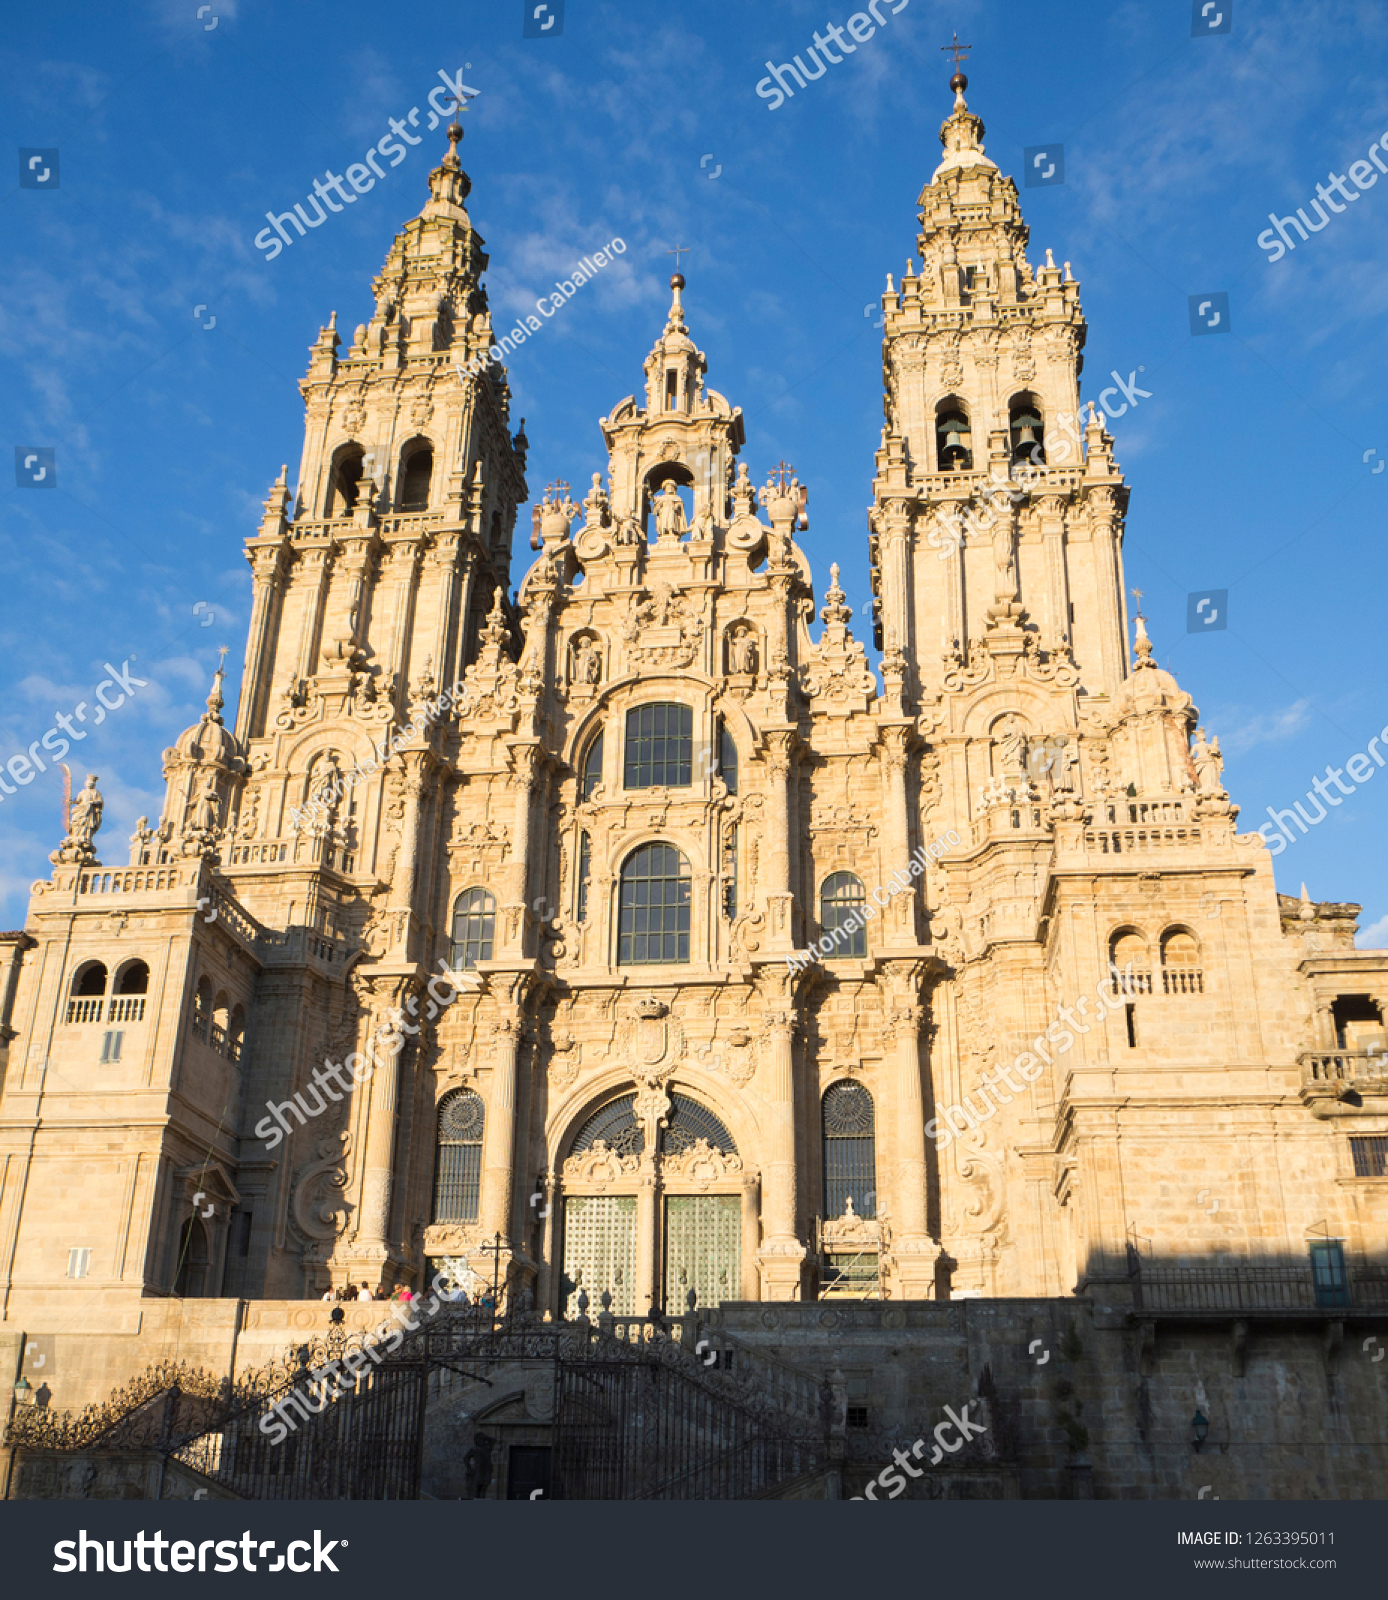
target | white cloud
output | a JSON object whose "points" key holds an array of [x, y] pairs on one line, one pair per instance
{"points": [[1272, 727], [1374, 937]]}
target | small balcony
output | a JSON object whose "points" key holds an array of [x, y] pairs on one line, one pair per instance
{"points": [[1343, 1074]]}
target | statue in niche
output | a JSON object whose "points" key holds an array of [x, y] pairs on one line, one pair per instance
{"points": [[1209, 764], [1012, 748], [742, 652], [587, 661], [207, 810], [669, 512], [1065, 761]]}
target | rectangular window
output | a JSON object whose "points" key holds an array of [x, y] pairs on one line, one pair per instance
{"points": [[1370, 1157], [857, 1416], [458, 1184], [242, 1239], [660, 747], [78, 1262], [1328, 1273], [585, 869], [1131, 1013], [110, 1047]]}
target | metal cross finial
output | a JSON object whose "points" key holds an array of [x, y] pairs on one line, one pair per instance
{"points": [[221, 665], [785, 471], [1137, 595], [680, 249], [960, 50]]}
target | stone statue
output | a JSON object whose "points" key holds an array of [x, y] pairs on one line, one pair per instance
{"points": [[1065, 762], [587, 662], [1005, 556], [627, 531], [85, 816], [1209, 764], [1012, 749], [669, 512], [207, 810], [742, 652]]}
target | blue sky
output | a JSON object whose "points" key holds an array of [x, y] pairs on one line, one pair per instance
{"points": [[175, 137]]}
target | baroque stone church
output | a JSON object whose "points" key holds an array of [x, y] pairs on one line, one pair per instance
{"points": [[633, 937]]}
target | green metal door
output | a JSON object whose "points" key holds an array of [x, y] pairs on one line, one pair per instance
{"points": [[703, 1249], [600, 1252]]}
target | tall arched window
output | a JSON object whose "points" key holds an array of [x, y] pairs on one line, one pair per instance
{"points": [[660, 746], [953, 437], [221, 1021], [1180, 963], [88, 991], [653, 910], [843, 915], [850, 1150], [344, 482], [458, 1171], [132, 986], [190, 1281], [474, 928], [416, 470], [591, 775], [585, 871], [1026, 431], [202, 1009], [236, 1033], [727, 758], [1129, 962]]}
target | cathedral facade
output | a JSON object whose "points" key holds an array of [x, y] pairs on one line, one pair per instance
{"points": [[633, 937]]}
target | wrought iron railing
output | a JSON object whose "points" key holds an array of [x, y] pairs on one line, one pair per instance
{"points": [[1233, 1289]]}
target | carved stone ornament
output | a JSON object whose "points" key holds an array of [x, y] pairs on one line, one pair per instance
{"points": [[653, 1041], [317, 1209], [600, 1165], [701, 1164]]}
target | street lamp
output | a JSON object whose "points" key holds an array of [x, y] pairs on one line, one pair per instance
{"points": [[1199, 1427]]}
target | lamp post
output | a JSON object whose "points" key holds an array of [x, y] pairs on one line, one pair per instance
{"points": [[1199, 1427]]}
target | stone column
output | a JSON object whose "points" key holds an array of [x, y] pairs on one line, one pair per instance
{"points": [[269, 574], [525, 761], [402, 892], [378, 1179], [780, 900], [898, 922], [782, 1254], [316, 566], [547, 1278], [751, 1235], [499, 1133], [648, 1200], [915, 1251]]}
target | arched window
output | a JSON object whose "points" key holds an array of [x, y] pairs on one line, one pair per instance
{"points": [[660, 746], [591, 775], [1180, 963], [1129, 962], [88, 990], [616, 1125], [850, 1150], [690, 1122], [653, 911], [953, 438], [190, 1281], [727, 757], [843, 915], [202, 1010], [344, 482], [458, 1173], [585, 871], [416, 469], [132, 985], [1026, 432], [221, 1020], [236, 1033], [474, 928]]}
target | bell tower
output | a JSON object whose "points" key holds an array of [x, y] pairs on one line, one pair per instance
{"points": [[997, 514]]}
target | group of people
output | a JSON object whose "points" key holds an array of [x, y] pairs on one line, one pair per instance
{"points": [[452, 1293]]}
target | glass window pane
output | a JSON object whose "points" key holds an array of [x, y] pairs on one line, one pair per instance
{"points": [[659, 746], [653, 906], [843, 915], [474, 928]]}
